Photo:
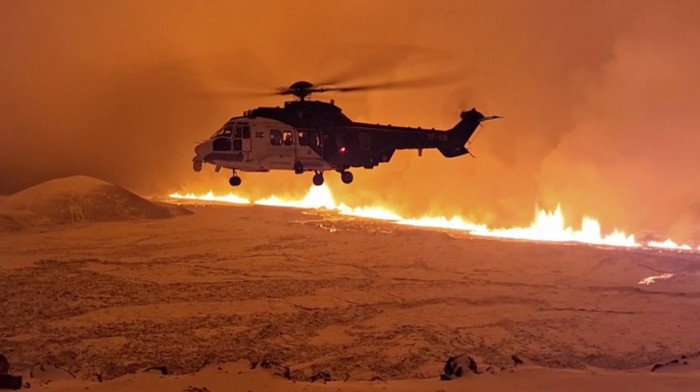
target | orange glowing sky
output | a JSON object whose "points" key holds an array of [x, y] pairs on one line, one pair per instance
{"points": [[600, 98]]}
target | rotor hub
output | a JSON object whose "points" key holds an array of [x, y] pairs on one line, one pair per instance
{"points": [[300, 89]]}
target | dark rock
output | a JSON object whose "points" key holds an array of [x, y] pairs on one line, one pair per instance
{"points": [[195, 389], [656, 367], [675, 361], [10, 382], [4, 364], [277, 368], [684, 356], [323, 376], [516, 360], [27, 385], [458, 366], [377, 378], [253, 364], [298, 375], [162, 369], [685, 362], [282, 371]]}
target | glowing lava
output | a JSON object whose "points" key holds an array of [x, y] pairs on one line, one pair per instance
{"points": [[668, 244], [652, 279], [547, 226], [551, 227], [230, 198], [318, 197]]}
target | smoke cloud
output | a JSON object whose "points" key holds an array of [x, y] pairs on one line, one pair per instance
{"points": [[599, 98]]}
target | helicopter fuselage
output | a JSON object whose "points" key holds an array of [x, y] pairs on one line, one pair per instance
{"points": [[317, 136]]}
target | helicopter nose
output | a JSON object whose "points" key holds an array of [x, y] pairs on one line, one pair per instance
{"points": [[202, 149]]}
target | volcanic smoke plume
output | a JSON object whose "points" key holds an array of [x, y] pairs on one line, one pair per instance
{"points": [[599, 98]]}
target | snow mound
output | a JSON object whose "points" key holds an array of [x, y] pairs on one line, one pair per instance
{"points": [[80, 199], [7, 223]]}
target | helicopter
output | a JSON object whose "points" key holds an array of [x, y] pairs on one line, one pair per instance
{"points": [[310, 135]]}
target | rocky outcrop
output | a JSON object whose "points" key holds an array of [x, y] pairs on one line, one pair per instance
{"points": [[459, 366]]}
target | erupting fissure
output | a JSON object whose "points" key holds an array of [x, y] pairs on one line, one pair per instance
{"points": [[547, 226]]}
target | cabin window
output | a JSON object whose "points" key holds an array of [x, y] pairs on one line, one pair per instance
{"points": [[276, 137], [287, 138], [365, 141], [246, 131], [308, 138], [237, 144], [222, 144]]}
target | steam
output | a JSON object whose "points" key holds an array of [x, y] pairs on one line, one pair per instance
{"points": [[599, 98]]}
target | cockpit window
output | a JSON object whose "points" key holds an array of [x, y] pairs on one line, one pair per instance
{"points": [[225, 131], [228, 129], [242, 131], [222, 144]]}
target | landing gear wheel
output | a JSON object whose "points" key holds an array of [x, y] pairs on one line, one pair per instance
{"points": [[318, 179], [346, 177], [197, 166], [234, 181], [298, 168]]}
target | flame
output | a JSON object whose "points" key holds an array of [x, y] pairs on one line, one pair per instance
{"points": [[547, 226], [230, 198], [668, 244], [318, 197], [550, 226]]}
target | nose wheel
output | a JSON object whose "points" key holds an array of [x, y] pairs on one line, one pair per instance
{"points": [[318, 178], [234, 180], [346, 177], [197, 166]]}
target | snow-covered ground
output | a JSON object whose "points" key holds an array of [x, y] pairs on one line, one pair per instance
{"points": [[356, 298]]}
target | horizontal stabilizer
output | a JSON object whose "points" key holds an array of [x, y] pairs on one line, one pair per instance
{"points": [[452, 151]]}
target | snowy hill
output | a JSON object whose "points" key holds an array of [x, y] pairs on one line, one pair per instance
{"points": [[77, 199]]}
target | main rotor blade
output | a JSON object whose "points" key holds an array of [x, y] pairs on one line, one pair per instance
{"points": [[411, 83], [237, 94], [379, 61]]}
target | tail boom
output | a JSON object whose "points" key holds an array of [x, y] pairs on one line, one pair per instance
{"points": [[458, 136]]}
